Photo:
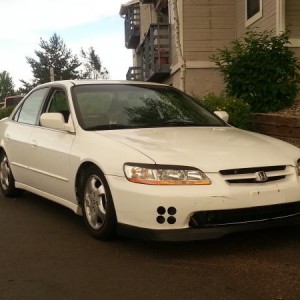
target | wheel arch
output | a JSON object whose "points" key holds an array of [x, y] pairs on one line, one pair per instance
{"points": [[2, 150], [79, 176], [84, 173], [7, 177]]}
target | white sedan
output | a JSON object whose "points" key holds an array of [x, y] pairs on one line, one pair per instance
{"points": [[146, 160]]}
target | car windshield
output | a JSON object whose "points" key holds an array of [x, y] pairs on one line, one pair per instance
{"points": [[137, 106]]}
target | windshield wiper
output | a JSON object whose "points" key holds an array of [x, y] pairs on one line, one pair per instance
{"points": [[174, 122], [108, 127]]}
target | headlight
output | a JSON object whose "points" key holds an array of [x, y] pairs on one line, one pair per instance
{"points": [[164, 175]]}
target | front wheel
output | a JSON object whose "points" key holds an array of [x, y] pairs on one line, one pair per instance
{"points": [[7, 181], [97, 204]]}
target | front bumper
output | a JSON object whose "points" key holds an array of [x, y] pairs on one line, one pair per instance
{"points": [[166, 208], [204, 233]]}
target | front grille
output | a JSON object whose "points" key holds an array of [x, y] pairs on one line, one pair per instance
{"points": [[252, 170], [249, 175], [217, 218], [253, 180]]}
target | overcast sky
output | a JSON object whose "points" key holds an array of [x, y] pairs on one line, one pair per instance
{"points": [[79, 23]]}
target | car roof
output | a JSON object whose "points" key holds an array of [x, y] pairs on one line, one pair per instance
{"points": [[94, 82]]}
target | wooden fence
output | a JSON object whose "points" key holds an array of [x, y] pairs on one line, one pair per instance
{"points": [[286, 128]]}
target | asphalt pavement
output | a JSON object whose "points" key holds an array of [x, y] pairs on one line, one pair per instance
{"points": [[46, 253]]}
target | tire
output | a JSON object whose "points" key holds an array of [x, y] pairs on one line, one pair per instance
{"points": [[97, 204], [7, 181]]}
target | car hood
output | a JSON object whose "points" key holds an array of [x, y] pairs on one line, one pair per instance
{"points": [[209, 149]]}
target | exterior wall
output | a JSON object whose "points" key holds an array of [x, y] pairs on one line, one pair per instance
{"points": [[201, 81], [270, 16], [173, 80], [147, 17], [240, 18], [297, 52], [198, 81], [174, 56], [136, 58], [292, 17], [267, 22], [173, 31], [292, 22], [207, 25]]}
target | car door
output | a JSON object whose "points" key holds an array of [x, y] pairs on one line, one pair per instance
{"points": [[17, 136], [51, 150]]}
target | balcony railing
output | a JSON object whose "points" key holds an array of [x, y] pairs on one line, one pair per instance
{"points": [[157, 3], [132, 26], [155, 53], [134, 74]]}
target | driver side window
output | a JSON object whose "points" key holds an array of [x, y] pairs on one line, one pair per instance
{"points": [[59, 103]]}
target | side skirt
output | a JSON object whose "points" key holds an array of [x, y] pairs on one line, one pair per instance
{"points": [[74, 207]]}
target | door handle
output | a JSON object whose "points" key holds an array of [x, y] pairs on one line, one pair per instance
{"points": [[7, 136]]}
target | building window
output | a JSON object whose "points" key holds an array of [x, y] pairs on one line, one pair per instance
{"points": [[253, 11]]}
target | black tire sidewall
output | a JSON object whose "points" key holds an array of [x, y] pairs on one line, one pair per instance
{"points": [[11, 190]]}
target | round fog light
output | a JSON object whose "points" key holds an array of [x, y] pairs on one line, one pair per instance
{"points": [[171, 220], [160, 219]]}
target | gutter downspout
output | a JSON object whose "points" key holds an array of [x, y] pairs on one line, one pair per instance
{"points": [[178, 45], [280, 16]]}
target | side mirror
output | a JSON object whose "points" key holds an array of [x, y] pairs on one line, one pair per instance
{"points": [[222, 114], [56, 121]]}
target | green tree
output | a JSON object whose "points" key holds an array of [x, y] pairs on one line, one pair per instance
{"points": [[53, 54], [260, 69], [27, 86], [93, 68], [6, 85]]}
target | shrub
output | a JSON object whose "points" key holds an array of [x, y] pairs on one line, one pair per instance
{"points": [[238, 110], [5, 112], [260, 69]]}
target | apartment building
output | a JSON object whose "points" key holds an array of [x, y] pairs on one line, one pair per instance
{"points": [[172, 40]]}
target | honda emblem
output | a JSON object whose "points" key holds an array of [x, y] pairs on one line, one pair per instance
{"points": [[261, 176]]}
